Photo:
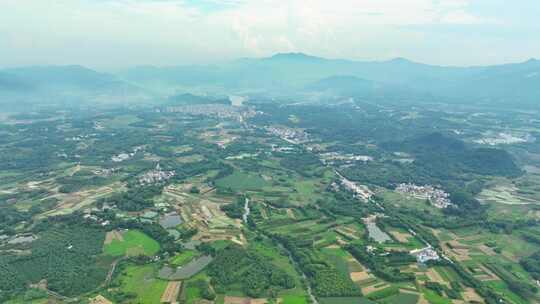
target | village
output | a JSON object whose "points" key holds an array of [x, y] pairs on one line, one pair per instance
{"points": [[331, 158], [436, 197], [290, 135], [361, 192], [221, 111]]}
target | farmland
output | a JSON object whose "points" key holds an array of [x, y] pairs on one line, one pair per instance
{"points": [[133, 243], [141, 282], [208, 209]]}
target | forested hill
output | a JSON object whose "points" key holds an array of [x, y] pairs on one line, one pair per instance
{"points": [[286, 75], [497, 85], [444, 153], [65, 84]]}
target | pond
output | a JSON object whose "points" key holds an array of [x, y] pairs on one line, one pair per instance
{"points": [[191, 245], [186, 271], [170, 220], [376, 233]]}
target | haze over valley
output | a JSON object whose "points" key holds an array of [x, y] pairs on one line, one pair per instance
{"points": [[269, 152]]}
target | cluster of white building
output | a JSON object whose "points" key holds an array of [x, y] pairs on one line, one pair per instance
{"points": [[155, 176], [504, 139], [330, 157], [125, 156], [425, 254], [80, 137], [98, 126], [437, 197], [104, 172], [359, 191], [222, 111], [285, 149], [96, 219], [122, 157], [290, 135]]}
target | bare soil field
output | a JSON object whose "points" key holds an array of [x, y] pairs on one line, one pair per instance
{"points": [[113, 235], [170, 295], [290, 213], [346, 233], [470, 295], [422, 300], [434, 276], [402, 237], [78, 200], [334, 246], [360, 276], [372, 288], [487, 275], [486, 250], [99, 299], [242, 300], [458, 251]]}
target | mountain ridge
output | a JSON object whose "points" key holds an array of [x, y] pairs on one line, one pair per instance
{"points": [[291, 73]]}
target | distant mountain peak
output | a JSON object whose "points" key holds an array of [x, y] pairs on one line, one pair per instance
{"points": [[293, 56], [400, 60]]}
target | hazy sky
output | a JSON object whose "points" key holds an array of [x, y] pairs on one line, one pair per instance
{"points": [[118, 33]]}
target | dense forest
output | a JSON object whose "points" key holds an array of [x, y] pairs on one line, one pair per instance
{"points": [[324, 278], [64, 254], [256, 274]]}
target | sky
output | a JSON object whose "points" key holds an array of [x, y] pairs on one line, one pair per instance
{"points": [[115, 34]]}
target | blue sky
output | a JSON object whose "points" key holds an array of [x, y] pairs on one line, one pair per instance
{"points": [[111, 34]]}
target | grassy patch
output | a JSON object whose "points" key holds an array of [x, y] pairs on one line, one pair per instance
{"points": [[339, 258], [502, 288], [183, 258], [435, 298], [141, 281], [240, 181], [134, 243], [189, 159], [345, 300], [402, 298], [293, 299], [121, 121]]}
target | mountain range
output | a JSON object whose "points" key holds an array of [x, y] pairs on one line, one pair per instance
{"points": [[287, 74]]}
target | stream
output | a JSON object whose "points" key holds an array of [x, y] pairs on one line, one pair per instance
{"points": [[310, 293], [246, 211]]}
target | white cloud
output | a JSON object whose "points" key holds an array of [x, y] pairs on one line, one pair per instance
{"points": [[461, 17], [166, 32]]}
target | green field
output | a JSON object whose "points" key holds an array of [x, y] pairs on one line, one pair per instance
{"points": [[345, 300], [434, 298], [401, 298], [295, 295], [192, 293], [183, 258], [339, 258], [240, 181], [24, 301], [293, 299], [141, 281], [502, 288], [135, 243], [448, 274], [121, 121]]}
